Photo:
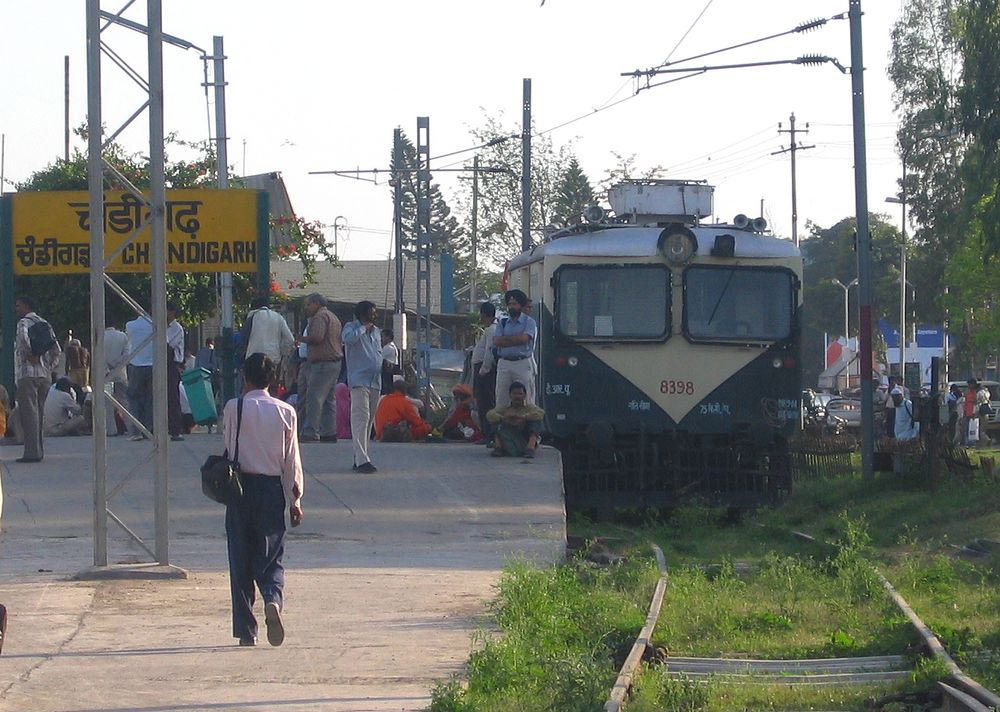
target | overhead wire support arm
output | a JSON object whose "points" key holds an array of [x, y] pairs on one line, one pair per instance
{"points": [[804, 59], [800, 28]]}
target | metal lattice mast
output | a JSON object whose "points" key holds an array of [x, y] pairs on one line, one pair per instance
{"points": [[423, 232], [155, 206]]}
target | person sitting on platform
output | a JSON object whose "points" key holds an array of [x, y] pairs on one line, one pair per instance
{"points": [[62, 414], [396, 418], [517, 425], [460, 424]]}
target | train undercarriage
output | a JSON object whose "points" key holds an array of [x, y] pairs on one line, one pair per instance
{"points": [[649, 472]]}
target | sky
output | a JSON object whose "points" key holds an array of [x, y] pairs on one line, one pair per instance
{"points": [[319, 85]]}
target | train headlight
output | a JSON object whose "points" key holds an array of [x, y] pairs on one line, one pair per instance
{"points": [[777, 362], [573, 360], [678, 245]]}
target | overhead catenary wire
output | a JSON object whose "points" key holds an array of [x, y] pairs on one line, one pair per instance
{"points": [[609, 103]]}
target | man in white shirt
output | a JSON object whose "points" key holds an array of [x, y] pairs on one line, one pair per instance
{"points": [[140, 372], [264, 441], [63, 415], [390, 361], [116, 351], [484, 377], [269, 334]]}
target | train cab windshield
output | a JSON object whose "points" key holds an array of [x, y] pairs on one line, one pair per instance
{"points": [[613, 302], [738, 304]]}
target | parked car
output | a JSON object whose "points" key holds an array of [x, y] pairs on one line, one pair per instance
{"points": [[847, 409]]}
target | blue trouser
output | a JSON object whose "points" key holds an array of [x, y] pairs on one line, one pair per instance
{"points": [[255, 530]]}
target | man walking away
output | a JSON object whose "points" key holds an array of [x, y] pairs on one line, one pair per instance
{"points": [[272, 479], [269, 334], [115, 357], [515, 341], [36, 352], [484, 375], [323, 355], [140, 372], [363, 349]]}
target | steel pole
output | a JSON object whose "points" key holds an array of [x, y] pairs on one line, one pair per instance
{"points": [[526, 165], [847, 318], [863, 245], [473, 286], [158, 253], [397, 216], [222, 174], [95, 188]]}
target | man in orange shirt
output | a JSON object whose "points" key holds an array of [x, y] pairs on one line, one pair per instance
{"points": [[395, 409]]}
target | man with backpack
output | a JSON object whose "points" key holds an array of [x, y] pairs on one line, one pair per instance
{"points": [[35, 354]]}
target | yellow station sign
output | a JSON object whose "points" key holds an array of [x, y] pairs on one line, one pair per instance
{"points": [[207, 231]]}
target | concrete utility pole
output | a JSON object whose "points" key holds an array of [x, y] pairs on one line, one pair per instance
{"points": [[793, 148], [526, 166], [864, 246]]}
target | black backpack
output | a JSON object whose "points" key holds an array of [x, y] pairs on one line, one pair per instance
{"points": [[41, 337]]}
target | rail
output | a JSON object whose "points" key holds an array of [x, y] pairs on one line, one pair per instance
{"points": [[616, 700]]}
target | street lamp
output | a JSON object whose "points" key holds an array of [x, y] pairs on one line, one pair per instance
{"points": [[846, 288]]}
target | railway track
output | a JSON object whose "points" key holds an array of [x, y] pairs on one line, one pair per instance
{"points": [[960, 693]]}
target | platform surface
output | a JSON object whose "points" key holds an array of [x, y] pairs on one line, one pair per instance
{"points": [[387, 579]]}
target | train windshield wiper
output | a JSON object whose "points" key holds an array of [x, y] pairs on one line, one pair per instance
{"points": [[729, 278]]}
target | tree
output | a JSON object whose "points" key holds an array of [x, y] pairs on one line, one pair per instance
{"points": [[980, 117], [446, 235], [828, 253], [573, 194], [500, 192], [625, 168]]}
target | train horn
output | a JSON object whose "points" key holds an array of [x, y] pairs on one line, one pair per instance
{"points": [[741, 221]]}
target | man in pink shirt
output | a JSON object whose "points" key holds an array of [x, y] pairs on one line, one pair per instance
{"points": [[264, 443]]}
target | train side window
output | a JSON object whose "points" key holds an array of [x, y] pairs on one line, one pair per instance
{"points": [[613, 302], [738, 304]]}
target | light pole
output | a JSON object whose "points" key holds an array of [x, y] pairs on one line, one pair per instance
{"points": [[846, 288]]}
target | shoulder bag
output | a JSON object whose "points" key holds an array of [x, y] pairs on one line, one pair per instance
{"points": [[220, 476]]}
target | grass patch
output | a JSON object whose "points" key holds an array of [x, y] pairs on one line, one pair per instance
{"points": [[787, 607], [564, 632]]}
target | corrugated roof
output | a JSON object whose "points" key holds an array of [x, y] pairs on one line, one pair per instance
{"points": [[356, 280]]}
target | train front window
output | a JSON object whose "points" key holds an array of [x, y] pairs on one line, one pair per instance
{"points": [[613, 302], [738, 304]]}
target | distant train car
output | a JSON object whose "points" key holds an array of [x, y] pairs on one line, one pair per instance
{"points": [[668, 354]]}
